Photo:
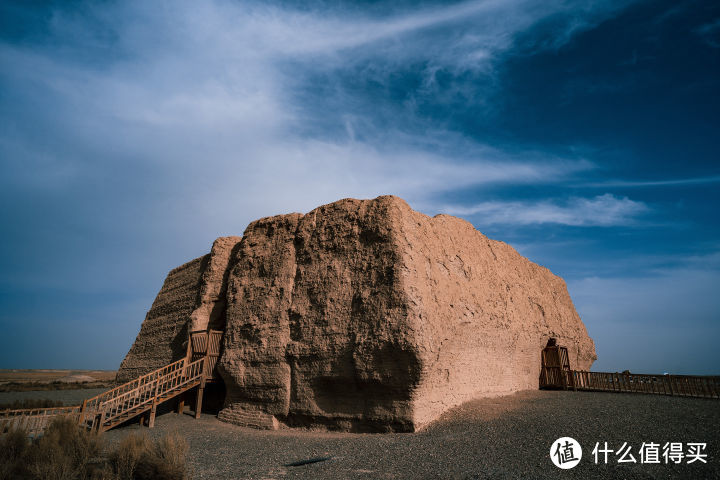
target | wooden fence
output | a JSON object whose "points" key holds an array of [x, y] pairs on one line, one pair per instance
{"points": [[35, 420], [680, 385]]}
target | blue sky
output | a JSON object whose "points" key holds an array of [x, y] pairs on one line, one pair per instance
{"points": [[586, 134]]}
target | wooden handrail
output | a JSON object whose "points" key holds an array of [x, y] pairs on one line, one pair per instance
{"points": [[149, 392], [680, 385], [39, 411], [102, 410], [34, 420], [137, 381], [35, 411]]}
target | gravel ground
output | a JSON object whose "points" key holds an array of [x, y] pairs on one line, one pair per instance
{"points": [[504, 437], [68, 397]]}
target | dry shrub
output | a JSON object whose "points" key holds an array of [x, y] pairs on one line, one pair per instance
{"points": [[64, 452], [125, 457], [13, 444], [67, 452], [137, 458], [172, 449]]}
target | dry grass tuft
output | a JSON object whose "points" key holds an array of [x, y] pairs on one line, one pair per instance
{"points": [[12, 448], [125, 458], [63, 452], [67, 452], [137, 458]]}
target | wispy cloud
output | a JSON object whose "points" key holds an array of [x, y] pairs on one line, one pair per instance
{"points": [[604, 211], [196, 98], [654, 183], [133, 133], [132, 123]]}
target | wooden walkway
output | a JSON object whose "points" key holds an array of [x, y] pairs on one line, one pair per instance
{"points": [[139, 396], [556, 373], [120, 404]]}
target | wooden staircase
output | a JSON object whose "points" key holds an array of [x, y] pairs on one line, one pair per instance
{"points": [[143, 394], [116, 406], [136, 397]]}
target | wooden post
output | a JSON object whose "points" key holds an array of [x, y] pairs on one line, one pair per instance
{"points": [[188, 353], [181, 404], [82, 412], [203, 376], [198, 399], [97, 424], [153, 409], [151, 421]]}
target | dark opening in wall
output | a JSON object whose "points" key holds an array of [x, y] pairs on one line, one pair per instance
{"points": [[214, 397]]}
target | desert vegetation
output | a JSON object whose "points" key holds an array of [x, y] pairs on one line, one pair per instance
{"points": [[67, 452], [56, 385], [31, 403], [14, 380]]}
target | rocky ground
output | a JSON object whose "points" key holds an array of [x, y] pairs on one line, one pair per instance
{"points": [[503, 437]]}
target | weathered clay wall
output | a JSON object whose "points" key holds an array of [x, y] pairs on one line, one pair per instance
{"points": [[481, 312], [192, 298], [315, 321], [362, 315], [367, 314]]}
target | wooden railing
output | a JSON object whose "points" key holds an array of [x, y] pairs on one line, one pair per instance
{"points": [[206, 343], [138, 385], [680, 385], [141, 394], [94, 403], [34, 420], [117, 405]]}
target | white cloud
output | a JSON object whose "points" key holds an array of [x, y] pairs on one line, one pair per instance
{"points": [[604, 210], [196, 96], [149, 123]]}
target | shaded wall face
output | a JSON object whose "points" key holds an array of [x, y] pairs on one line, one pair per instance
{"points": [[163, 334], [316, 329]]}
